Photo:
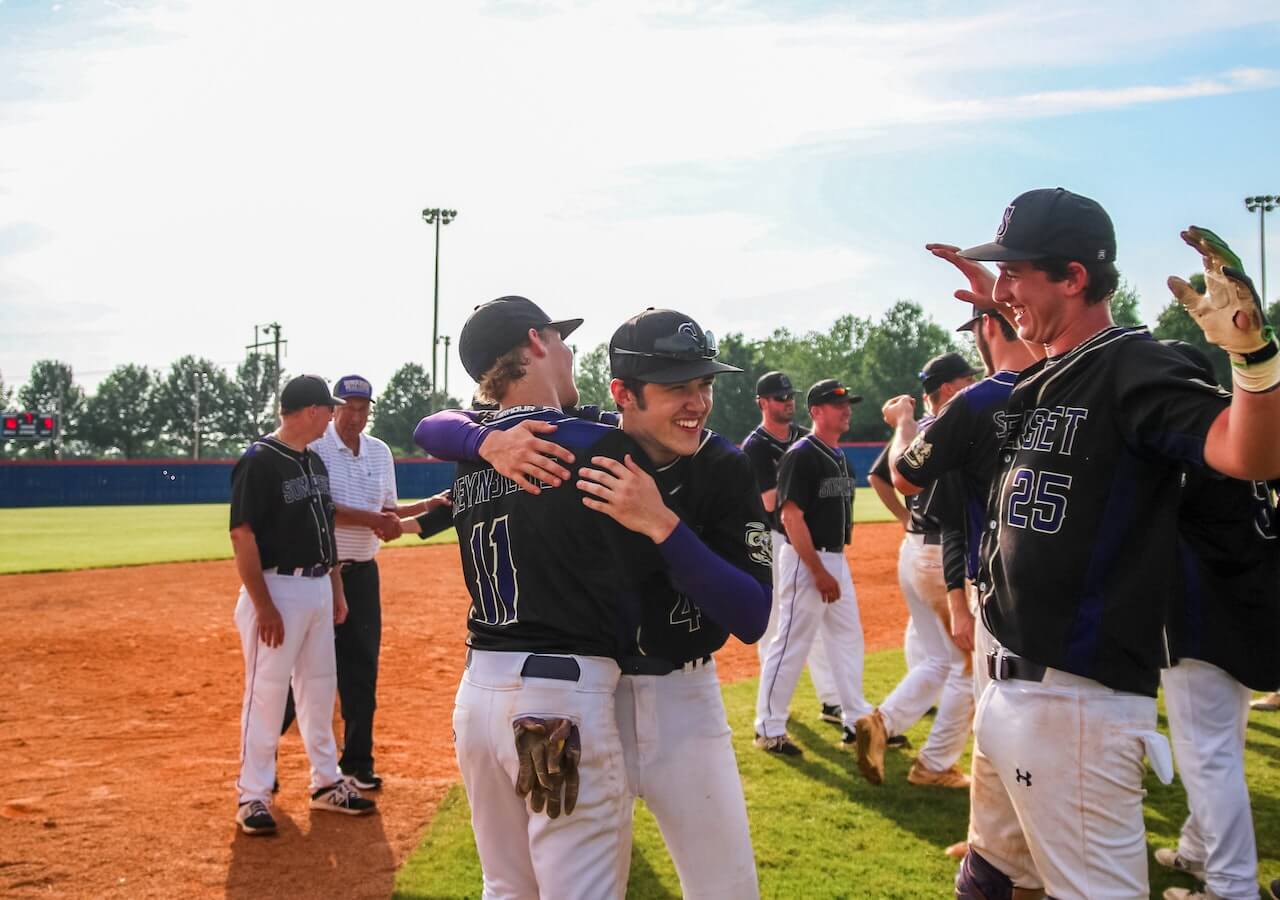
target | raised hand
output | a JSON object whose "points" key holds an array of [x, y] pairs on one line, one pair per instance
{"points": [[982, 283]]}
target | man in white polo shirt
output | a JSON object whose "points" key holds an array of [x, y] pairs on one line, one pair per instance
{"points": [[362, 480]]}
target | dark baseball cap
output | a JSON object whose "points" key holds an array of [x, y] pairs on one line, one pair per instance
{"points": [[306, 390], [1050, 223], [501, 325], [978, 312], [774, 384], [1196, 357], [662, 346], [829, 390], [353, 386], [941, 369]]}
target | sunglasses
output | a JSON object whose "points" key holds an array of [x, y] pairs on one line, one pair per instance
{"points": [[682, 345], [781, 398]]}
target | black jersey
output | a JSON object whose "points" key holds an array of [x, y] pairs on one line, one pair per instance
{"points": [[1080, 550], [765, 452], [546, 573], [921, 518], [1227, 608], [964, 437], [817, 478], [714, 493], [282, 494]]}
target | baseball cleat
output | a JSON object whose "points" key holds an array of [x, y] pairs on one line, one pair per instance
{"points": [[947, 778], [871, 738], [898, 742], [255, 817], [781, 744], [831, 712], [1274, 890], [1269, 703], [1170, 859], [342, 798], [364, 779]]}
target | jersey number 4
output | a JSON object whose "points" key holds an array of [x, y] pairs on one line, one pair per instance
{"points": [[494, 569]]}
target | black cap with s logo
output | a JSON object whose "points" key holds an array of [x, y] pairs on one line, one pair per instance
{"points": [[1050, 223]]}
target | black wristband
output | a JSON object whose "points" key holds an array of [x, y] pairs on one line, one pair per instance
{"points": [[1264, 353]]}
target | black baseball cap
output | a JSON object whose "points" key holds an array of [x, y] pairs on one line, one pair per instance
{"points": [[829, 390], [774, 384], [501, 325], [307, 390], [978, 312], [1050, 223], [941, 369], [662, 346], [1196, 357]]}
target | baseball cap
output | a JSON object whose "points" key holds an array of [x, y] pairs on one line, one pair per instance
{"points": [[306, 390], [662, 346], [941, 369], [774, 384], [829, 390], [501, 325], [978, 312], [1196, 357], [353, 386], [1050, 223]]}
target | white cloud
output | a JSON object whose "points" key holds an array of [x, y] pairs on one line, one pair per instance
{"points": [[243, 162]]}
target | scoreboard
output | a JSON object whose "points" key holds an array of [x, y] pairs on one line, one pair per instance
{"points": [[28, 426]]}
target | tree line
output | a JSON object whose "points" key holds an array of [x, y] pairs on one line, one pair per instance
{"points": [[138, 412]]}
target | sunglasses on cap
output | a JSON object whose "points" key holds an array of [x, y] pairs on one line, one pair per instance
{"points": [[682, 345], [836, 392]]}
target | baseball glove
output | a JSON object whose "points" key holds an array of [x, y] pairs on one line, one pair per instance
{"points": [[547, 755], [1230, 314]]}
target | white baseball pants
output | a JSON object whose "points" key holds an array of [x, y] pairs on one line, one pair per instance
{"points": [[1208, 713], [526, 855], [1064, 757], [801, 612], [307, 657], [679, 759], [824, 683], [912, 651], [941, 669]]}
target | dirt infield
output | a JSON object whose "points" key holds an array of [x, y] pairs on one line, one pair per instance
{"points": [[119, 730]]}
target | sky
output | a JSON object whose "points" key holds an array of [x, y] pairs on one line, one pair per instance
{"points": [[172, 174]]}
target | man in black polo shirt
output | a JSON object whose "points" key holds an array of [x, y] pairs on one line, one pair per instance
{"points": [[1081, 532], [764, 446], [282, 534], [815, 496]]}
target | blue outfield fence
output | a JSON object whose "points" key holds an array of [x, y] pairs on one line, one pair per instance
{"points": [[138, 483]]}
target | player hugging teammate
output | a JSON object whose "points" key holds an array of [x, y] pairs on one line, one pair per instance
{"points": [[599, 592]]}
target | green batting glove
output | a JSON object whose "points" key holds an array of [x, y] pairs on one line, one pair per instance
{"points": [[1230, 314]]}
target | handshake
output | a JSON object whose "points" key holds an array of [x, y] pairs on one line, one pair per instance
{"points": [[385, 524]]}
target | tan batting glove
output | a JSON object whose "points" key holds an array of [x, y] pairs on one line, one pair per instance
{"points": [[547, 755], [1230, 313]]}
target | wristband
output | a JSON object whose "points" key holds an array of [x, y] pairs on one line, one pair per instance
{"points": [[1262, 354], [1259, 371]]}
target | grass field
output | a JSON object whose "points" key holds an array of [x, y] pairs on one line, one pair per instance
{"points": [[58, 538], [820, 831]]}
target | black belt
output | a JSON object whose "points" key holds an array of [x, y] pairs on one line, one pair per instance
{"points": [[356, 563], [304, 571], [559, 668], [651, 665], [822, 549], [931, 538], [1002, 667]]}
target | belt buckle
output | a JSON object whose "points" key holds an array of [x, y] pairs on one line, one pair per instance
{"points": [[996, 668]]}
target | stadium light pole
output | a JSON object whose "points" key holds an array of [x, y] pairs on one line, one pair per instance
{"points": [[437, 217], [445, 339], [1262, 204], [197, 378]]}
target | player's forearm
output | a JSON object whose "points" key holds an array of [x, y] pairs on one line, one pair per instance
{"points": [[889, 497], [801, 540], [451, 434], [903, 435], [730, 596], [1242, 440], [249, 566], [349, 516]]}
